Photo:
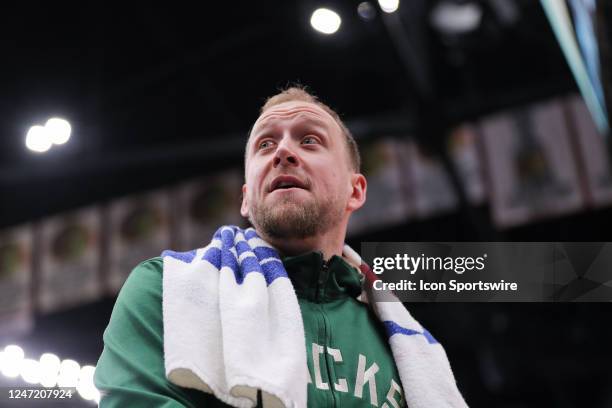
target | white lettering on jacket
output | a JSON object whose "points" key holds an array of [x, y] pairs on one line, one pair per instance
{"points": [[393, 389], [366, 377], [363, 377], [317, 350], [341, 385]]}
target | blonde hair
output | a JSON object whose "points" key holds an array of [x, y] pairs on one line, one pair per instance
{"points": [[299, 93]]}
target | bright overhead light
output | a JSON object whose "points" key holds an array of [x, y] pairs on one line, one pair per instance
{"points": [[49, 369], [30, 371], [12, 359], [388, 6], [49, 361], [325, 21], [49, 372], [59, 130], [38, 139], [456, 18], [86, 387], [68, 374]]}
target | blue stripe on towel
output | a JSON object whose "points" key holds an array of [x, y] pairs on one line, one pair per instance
{"points": [[429, 337], [274, 269], [228, 260], [250, 233], [250, 264], [242, 247], [186, 257], [394, 328], [265, 252], [213, 255], [230, 237]]}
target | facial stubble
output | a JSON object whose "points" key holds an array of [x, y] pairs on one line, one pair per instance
{"points": [[290, 218]]}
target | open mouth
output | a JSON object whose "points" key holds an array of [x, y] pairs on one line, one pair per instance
{"points": [[286, 183]]}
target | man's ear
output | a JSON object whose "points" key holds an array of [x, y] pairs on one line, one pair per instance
{"points": [[359, 187], [244, 208]]}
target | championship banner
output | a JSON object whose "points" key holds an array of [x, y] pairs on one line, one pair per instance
{"points": [[381, 165], [16, 281], [431, 186], [593, 152], [139, 229], [202, 206], [463, 150], [69, 260], [531, 165], [490, 271]]}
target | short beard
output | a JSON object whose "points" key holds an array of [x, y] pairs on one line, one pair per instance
{"points": [[286, 219]]}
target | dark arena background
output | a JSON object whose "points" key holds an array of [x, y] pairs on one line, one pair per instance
{"points": [[478, 120]]}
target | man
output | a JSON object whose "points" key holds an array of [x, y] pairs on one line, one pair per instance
{"points": [[302, 183], [302, 176]]}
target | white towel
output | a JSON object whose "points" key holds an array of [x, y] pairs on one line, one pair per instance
{"points": [[227, 305]]}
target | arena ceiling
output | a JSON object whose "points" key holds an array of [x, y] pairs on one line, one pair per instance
{"points": [[156, 93]]}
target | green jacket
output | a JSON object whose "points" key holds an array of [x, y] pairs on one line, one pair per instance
{"points": [[349, 360]]}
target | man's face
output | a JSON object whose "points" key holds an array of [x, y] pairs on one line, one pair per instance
{"points": [[298, 177]]}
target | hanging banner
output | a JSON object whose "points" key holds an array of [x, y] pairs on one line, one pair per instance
{"points": [[531, 165], [431, 185], [139, 229], [16, 281], [594, 153], [463, 150], [69, 260], [386, 201], [203, 205]]}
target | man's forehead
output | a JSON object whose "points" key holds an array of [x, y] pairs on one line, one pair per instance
{"points": [[291, 109]]}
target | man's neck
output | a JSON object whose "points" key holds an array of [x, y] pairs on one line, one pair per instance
{"points": [[327, 244]]}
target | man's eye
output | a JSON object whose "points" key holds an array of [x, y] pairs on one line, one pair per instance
{"points": [[309, 140], [265, 144]]}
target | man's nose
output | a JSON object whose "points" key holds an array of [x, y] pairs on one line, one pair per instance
{"points": [[285, 155]]}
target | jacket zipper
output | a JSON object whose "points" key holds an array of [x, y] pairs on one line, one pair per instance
{"points": [[321, 281], [323, 276]]}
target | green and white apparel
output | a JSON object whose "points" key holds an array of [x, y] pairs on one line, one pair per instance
{"points": [[349, 360]]}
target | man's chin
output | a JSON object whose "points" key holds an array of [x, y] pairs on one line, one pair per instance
{"points": [[286, 212], [287, 220], [288, 202]]}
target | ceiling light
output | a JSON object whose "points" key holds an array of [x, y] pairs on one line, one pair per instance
{"points": [[38, 139], [453, 18], [59, 130], [388, 6], [366, 11], [325, 21]]}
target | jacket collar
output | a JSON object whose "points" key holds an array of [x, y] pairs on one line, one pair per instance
{"points": [[322, 281]]}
